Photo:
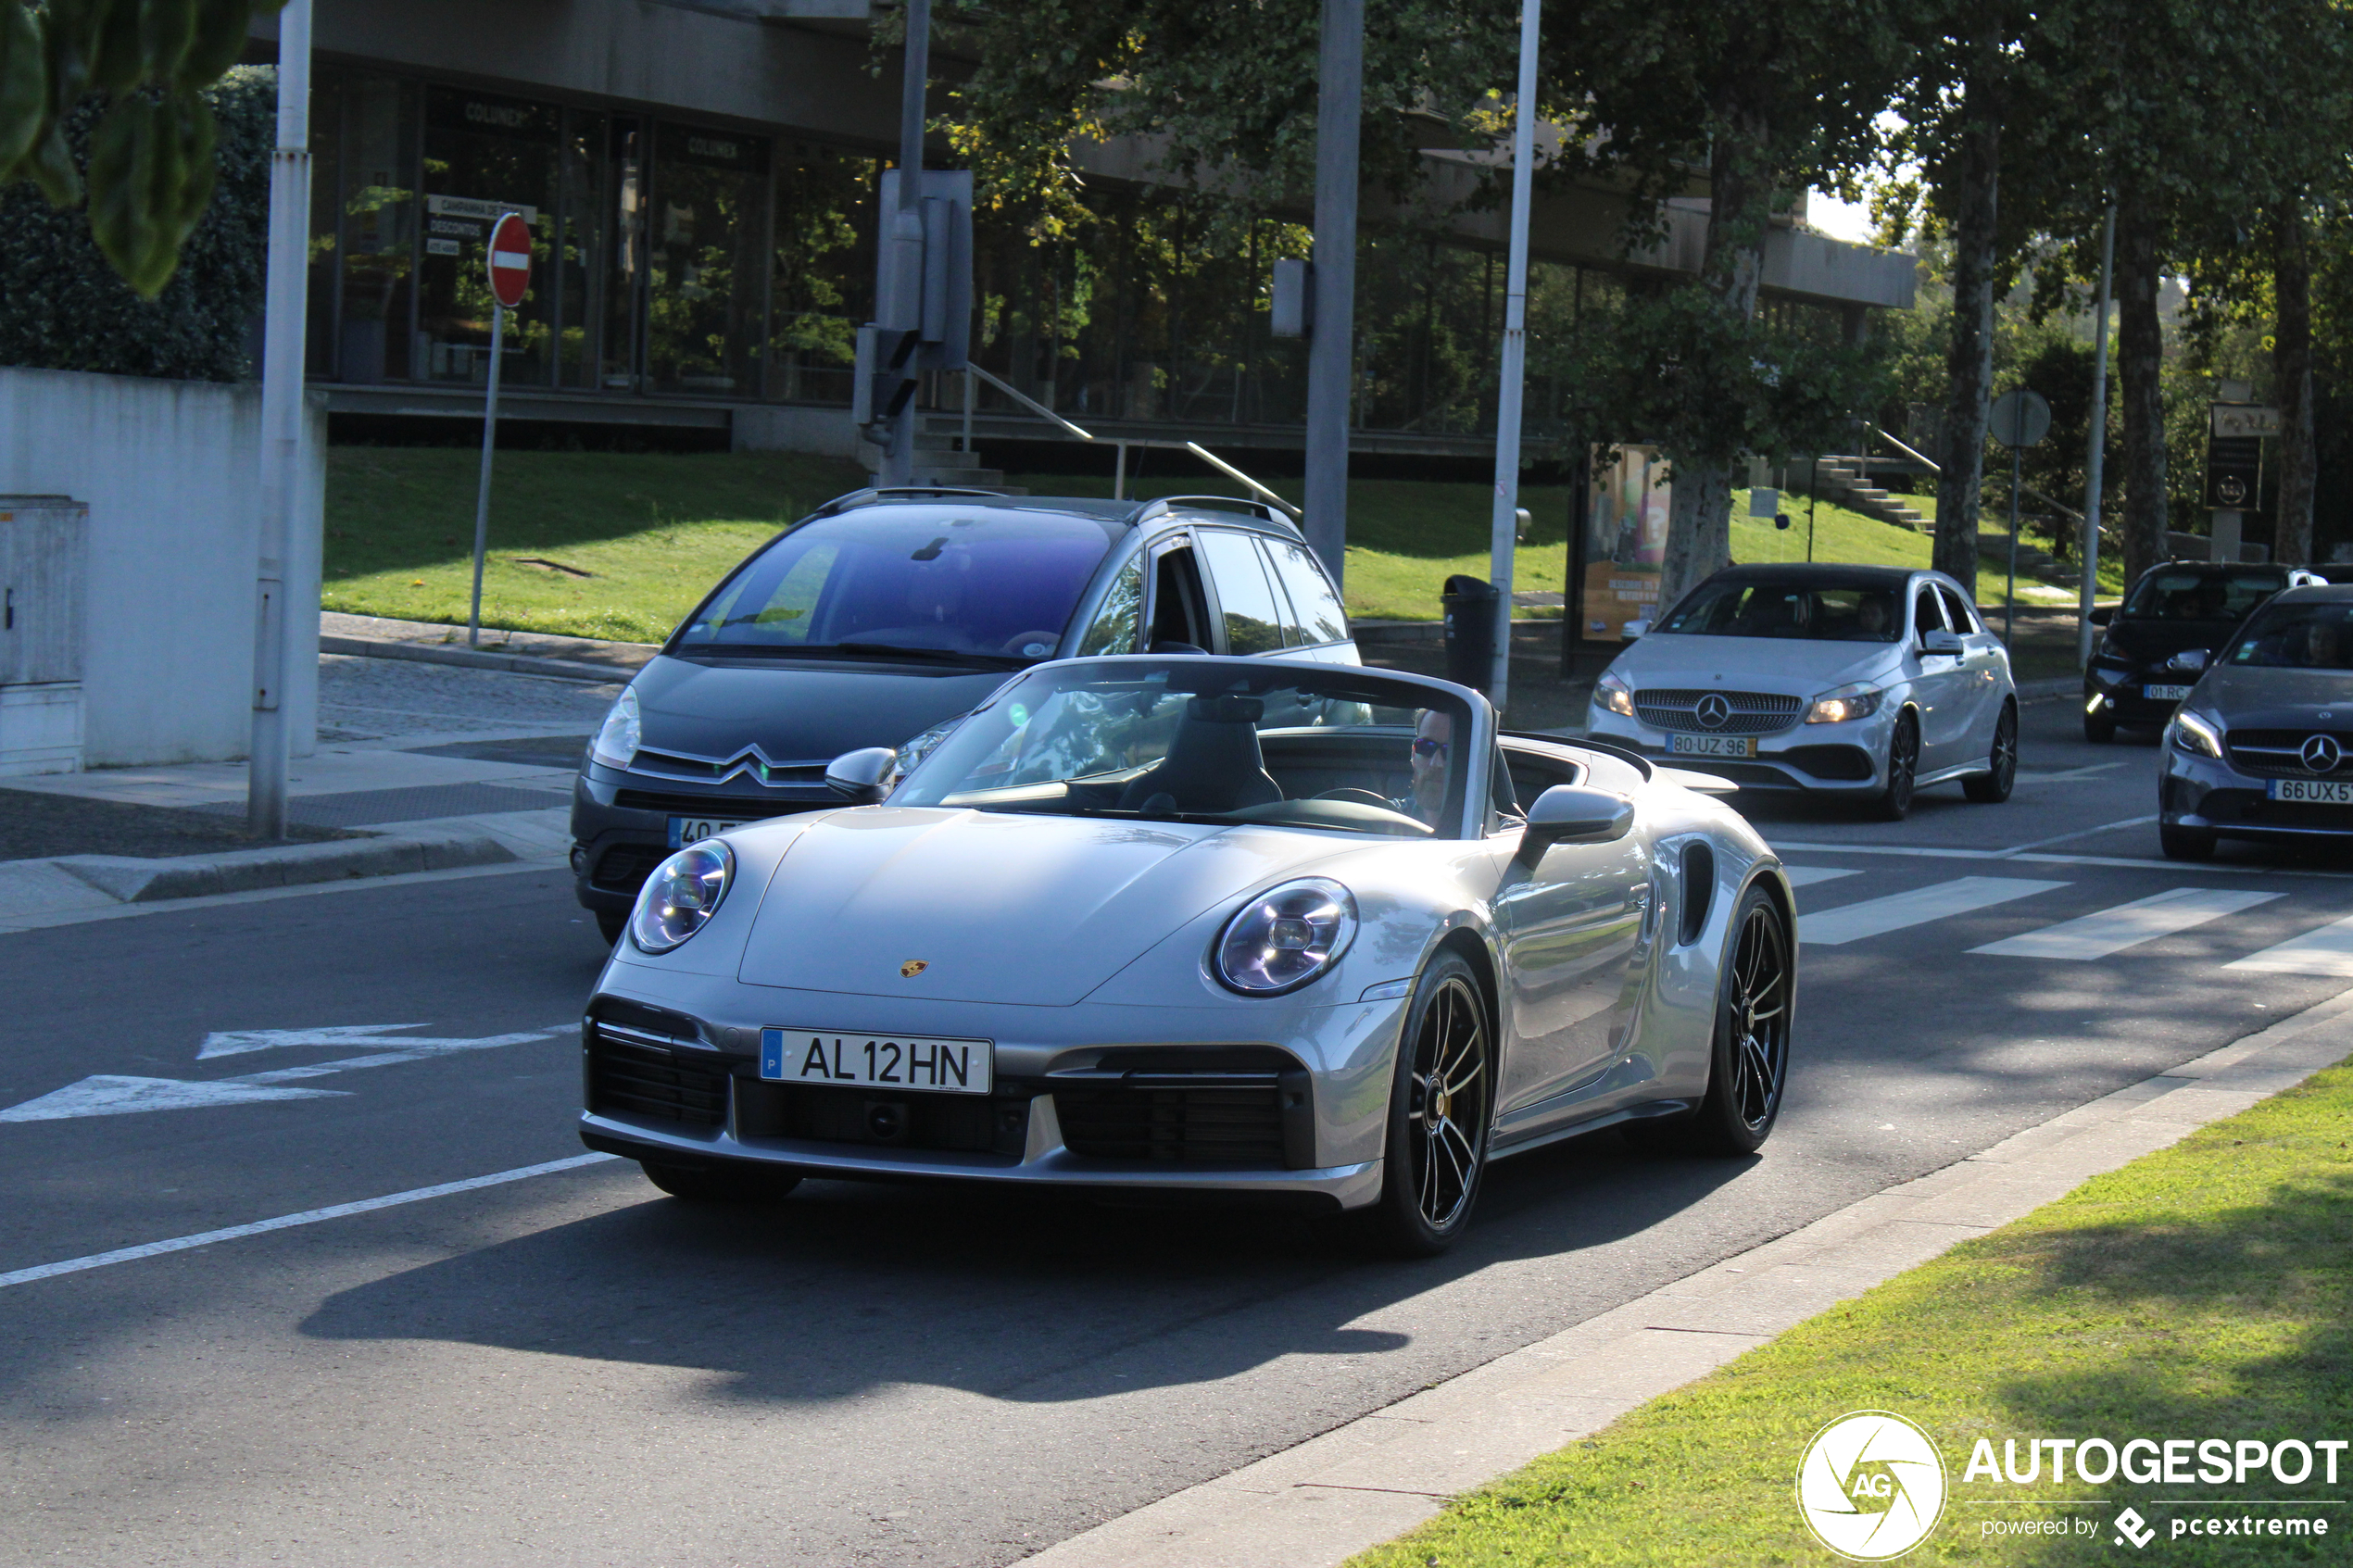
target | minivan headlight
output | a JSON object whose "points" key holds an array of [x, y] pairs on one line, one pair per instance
{"points": [[681, 896], [616, 742], [1859, 700], [923, 745], [2194, 735], [1286, 936]]}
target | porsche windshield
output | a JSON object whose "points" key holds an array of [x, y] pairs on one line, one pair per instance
{"points": [[977, 582], [1198, 740], [2315, 634]]}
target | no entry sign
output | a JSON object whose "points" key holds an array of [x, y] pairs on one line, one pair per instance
{"points": [[511, 260]]}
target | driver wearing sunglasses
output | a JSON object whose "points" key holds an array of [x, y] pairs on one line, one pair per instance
{"points": [[1433, 745]]}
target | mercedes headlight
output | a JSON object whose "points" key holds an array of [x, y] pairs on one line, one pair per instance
{"points": [[924, 745], [1859, 700], [2194, 735], [681, 895], [1284, 939], [616, 742], [1614, 695]]}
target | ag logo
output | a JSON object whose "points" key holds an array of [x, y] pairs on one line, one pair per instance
{"points": [[1870, 1486]]}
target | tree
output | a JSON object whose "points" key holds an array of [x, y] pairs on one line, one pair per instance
{"points": [[151, 165]]}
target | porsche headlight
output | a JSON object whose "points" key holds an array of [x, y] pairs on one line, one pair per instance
{"points": [[1286, 937], [1859, 700], [1614, 695], [923, 745], [2194, 735], [616, 743], [681, 896]]}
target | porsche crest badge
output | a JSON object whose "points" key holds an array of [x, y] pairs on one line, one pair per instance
{"points": [[912, 968]]}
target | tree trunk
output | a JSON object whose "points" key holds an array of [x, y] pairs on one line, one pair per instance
{"points": [[2140, 361], [2292, 370], [1974, 176], [1740, 186]]}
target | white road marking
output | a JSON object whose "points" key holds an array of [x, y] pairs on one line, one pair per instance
{"points": [[109, 1095], [287, 1221], [2065, 775], [2328, 951], [1852, 922], [1805, 876], [2143, 920]]}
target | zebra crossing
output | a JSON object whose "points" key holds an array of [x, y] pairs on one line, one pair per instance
{"points": [[2325, 949]]}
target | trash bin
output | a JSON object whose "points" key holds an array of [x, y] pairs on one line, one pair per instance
{"points": [[1470, 631]]}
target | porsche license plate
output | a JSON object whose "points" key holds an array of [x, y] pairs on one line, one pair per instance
{"points": [[694, 830], [2319, 792], [2165, 694], [1711, 746], [902, 1062]]}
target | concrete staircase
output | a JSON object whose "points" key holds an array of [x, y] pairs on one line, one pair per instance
{"points": [[937, 459], [1844, 480]]}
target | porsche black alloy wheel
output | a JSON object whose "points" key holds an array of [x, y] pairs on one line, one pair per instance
{"points": [[1993, 787], [720, 1184], [1748, 1067], [1895, 802], [1438, 1114]]}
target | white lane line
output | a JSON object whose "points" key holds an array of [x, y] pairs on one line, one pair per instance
{"points": [[1805, 876], [1852, 922], [2109, 931], [287, 1221], [2328, 951]]}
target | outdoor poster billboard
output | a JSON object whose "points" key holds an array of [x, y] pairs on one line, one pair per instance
{"points": [[1625, 539]]}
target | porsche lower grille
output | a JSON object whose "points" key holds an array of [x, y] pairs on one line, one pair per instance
{"points": [[954, 1123], [1186, 1125], [633, 1080]]}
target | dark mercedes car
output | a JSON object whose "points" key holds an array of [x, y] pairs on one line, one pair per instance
{"points": [[2262, 748], [886, 616], [2159, 640]]}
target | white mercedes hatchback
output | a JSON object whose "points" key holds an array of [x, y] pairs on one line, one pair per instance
{"points": [[1869, 682]]}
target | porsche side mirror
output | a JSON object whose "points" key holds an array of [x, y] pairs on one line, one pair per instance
{"points": [[2102, 614], [864, 777], [1634, 629], [1574, 815], [2188, 659], [1943, 642]]}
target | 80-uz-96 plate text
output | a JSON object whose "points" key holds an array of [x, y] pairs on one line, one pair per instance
{"points": [[905, 1062]]}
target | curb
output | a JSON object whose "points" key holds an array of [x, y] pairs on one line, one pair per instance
{"points": [[128, 879], [1374, 1478], [2045, 691], [476, 659]]}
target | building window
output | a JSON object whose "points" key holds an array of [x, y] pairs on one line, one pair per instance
{"points": [[706, 238], [483, 156]]}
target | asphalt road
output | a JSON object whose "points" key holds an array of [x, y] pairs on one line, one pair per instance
{"points": [[571, 1368]]}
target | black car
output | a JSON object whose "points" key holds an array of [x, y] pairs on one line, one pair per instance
{"points": [[2158, 641], [886, 615]]}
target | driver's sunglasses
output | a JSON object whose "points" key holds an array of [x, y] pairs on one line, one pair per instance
{"points": [[1426, 747]]}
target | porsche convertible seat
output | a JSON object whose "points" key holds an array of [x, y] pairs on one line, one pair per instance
{"points": [[1213, 764]]}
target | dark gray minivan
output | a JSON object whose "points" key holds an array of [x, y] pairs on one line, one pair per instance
{"points": [[886, 615]]}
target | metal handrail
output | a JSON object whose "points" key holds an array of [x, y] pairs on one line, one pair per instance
{"points": [[1119, 480], [1933, 466]]}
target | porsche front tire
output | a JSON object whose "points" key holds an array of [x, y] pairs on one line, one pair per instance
{"points": [[1438, 1102], [713, 1183]]}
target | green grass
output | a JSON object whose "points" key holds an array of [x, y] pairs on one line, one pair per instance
{"points": [[2201, 1291], [652, 532]]}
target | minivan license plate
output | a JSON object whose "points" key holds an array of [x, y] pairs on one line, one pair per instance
{"points": [[1711, 746], [899, 1061], [694, 830], [2322, 792], [2165, 694]]}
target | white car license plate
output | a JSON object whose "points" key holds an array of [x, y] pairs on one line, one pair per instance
{"points": [[904, 1061], [2323, 792], [1711, 746], [694, 830], [2165, 694]]}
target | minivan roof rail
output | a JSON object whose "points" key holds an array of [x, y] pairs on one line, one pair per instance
{"points": [[868, 497], [1162, 506]]}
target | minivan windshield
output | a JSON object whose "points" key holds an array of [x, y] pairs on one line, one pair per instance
{"points": [[1201, 740], [1786, 607], [2189, 594], [980, 582], [2316, 634]]}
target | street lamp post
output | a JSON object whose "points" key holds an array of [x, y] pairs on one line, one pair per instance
{"points": [[1503, 532], [1340, 100], [2093, 454]]}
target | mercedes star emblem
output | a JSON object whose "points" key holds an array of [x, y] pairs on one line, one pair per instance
{"points": [[1713, 710], [2321, 754]]}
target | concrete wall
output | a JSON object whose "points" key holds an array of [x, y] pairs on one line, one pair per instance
{"points": [[170, 472], [793, 427]]}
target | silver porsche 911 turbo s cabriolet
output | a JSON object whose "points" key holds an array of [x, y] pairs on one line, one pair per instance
{"points": [[1301, 934]]}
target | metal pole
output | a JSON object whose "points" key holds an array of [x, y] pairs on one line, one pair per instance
{"points": [[2009, 601], [1813, 504], [1502, 533], [907, 227], [2091, 458], [971, 387], [482, 491], [1340, 98], [280, 483]]}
